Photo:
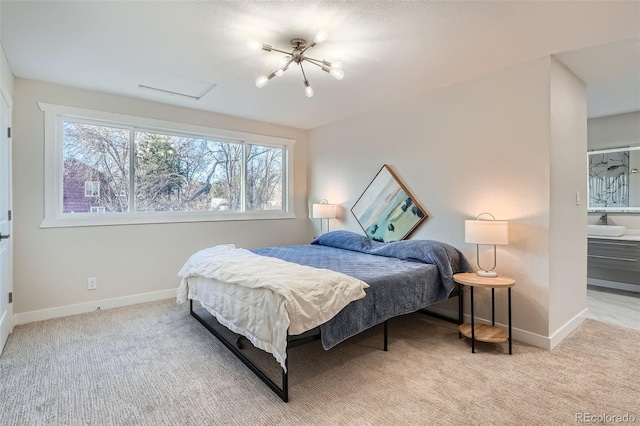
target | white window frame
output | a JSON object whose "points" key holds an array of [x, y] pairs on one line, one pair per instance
{"points": [[55, 218]]}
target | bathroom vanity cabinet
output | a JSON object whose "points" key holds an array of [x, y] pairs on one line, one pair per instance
{"points": [[614, 262]]}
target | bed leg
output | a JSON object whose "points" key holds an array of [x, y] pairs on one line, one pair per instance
{"points": [[285, 381], [386, 329]]}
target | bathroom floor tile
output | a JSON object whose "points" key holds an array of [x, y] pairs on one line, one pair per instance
{"points": [[613, 306]]}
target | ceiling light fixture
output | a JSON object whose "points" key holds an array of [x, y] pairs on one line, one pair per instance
{"points": [[297, 56]]}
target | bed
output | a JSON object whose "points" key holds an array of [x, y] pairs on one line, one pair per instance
{"points": [[341, 284]]}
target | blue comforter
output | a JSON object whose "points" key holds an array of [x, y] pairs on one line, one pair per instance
{"points": [[403, 276]]}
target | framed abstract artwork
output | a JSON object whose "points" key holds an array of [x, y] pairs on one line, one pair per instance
{"points": [[386, 210]]}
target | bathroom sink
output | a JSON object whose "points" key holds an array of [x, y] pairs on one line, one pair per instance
{"points": [[605, 230]]}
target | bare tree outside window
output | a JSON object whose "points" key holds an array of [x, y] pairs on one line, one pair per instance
{"points": [[97, 154], [171, 173], [175, 173], [264, 178]]}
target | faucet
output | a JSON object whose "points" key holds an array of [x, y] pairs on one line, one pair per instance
{"points": [[603, 219]]}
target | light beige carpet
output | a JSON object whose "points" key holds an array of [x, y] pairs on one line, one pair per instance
{"points": [[153, 364]]}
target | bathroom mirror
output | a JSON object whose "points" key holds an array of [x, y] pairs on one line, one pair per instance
{"points": [[614, 180]]}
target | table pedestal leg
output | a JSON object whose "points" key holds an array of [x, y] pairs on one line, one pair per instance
{"points": [[473, 327], [493, 307], [460, 308], [509, 289]]}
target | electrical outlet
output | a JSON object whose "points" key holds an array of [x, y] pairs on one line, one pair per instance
{"points": [[92, 283]]}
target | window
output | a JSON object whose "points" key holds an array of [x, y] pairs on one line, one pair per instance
{"points": [[174, 173], [91, 187], [136, 170], [264, 178]]}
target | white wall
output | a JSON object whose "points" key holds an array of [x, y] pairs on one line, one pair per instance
{"points": [[615, 131], [6, 76], [52, 265], [479, 146], [568, 221]]}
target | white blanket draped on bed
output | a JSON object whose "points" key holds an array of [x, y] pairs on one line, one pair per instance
{"points": [[262, 297]]}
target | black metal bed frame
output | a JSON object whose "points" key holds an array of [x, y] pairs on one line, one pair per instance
{"points": [[283, 392]]}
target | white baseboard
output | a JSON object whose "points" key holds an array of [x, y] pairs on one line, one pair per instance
{"points": [[559, 335], [81, 308], [116, 302], [519, 334]]}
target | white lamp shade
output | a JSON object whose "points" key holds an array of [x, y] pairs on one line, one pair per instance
{"points": [[486, 232], [324, 211]]}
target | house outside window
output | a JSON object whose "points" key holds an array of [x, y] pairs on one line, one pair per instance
{"points": [[147, 171]]}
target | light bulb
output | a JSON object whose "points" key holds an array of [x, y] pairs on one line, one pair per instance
{"points": [[320, 36], [338, 74], [308, 91], [284, 61], [336, 64], [254, 45], [261, 81], [279, 72]]}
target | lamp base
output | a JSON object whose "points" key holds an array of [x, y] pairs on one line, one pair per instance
{"points": [[487, 274]]}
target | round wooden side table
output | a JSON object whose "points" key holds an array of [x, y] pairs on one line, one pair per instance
{"points": [[485, 332]]}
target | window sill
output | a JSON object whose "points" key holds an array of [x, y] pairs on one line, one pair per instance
{"points": [[71, 221]]}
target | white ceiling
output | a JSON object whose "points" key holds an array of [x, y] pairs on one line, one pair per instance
{"points": [[612, 73], [391, 50]]}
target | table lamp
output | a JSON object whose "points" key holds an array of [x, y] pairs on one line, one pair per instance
{"points": [[324, 210], [483, 231]]}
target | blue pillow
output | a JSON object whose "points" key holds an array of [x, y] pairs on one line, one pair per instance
{"points": [[346, 240]]}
